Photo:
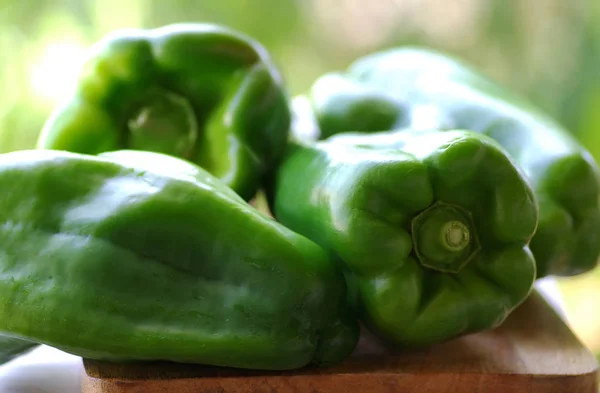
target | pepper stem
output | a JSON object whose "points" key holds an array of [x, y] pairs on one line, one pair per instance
{"points": [[456, 235], [444, 237], [165, 123]]}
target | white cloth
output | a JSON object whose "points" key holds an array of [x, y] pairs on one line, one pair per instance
{"points": [[48, 370], [43, 370]]}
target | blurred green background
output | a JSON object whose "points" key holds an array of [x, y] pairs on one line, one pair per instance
{"points": [[548, 50]]}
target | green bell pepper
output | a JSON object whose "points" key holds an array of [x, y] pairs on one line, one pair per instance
{"points": [[431, 228], [134, 255], [420, 88], [11, 348], [200, 92]]}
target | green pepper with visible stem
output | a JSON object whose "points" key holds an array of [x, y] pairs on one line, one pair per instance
{"points": [[421, 88], [200, 92], [431, 228], [134, 256]]}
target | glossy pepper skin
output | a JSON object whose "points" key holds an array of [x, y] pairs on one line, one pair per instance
{"points": [[416, 87], [134, 255], [432, 228], [200, 92]]}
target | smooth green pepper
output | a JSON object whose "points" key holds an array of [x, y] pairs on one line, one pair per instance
{"points": [[419, 88], [135, 255], [195, 91], [432, 228]]}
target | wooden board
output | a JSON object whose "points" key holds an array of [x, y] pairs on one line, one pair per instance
{"points": [[533, 351]]}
